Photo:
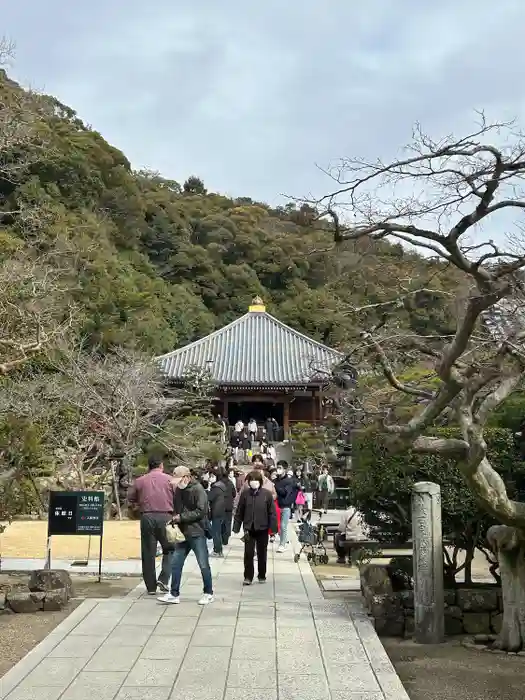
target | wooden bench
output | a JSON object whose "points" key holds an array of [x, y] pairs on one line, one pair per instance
{"points": [[381, 550]]}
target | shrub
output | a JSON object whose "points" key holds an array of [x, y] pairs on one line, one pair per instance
{"points": [[381, 485]]}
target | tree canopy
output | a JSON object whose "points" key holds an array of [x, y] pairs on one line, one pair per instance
{"points": [[150, 265]]}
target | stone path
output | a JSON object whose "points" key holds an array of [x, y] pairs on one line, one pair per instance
{"points": [[277, 640], [131, 567]]}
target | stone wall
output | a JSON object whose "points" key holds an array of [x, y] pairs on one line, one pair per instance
{"points": [[475, 610], [45, 590]]}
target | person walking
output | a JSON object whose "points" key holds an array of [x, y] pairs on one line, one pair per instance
{"points": [[153, 495], [230, 494], [270, 430], [223, 429], [216, 499], [190, 506], [325, 488], [235, 444], [258, 464], [256, 513], [291, 475], [286, 492], [272, 476], [252, 430], [309, 485], [300, 499], [246, 445]]}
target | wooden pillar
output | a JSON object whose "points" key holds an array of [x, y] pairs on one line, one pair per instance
{"points": [[286, 418], [225, 405], [314, 407]]}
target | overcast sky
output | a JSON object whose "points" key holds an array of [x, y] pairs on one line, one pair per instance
{"points": [[251, 95]]}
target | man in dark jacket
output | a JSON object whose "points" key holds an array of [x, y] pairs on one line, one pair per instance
{"points": [[190, 507], [286, 494], [216, 498], [256, 513], [269, 426], [230, 494]]}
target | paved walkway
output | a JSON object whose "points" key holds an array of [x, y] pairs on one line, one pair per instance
{"points": [[277, 640]]}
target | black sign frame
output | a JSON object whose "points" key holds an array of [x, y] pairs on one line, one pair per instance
{"points": [[76, 513]]}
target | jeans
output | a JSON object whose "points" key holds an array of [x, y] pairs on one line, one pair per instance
{"points": [[285, 519], [216, 532], [324, 497], [153, 530], [199, 547], [227, 527], [256, 540]]}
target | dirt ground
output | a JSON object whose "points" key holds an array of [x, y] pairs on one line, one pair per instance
{"points": [[480, 571], [449, 671], [27, 540], [20, 633]]}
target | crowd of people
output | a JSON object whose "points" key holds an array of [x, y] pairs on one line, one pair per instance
{"points": [[208, 505], [240, 443]]}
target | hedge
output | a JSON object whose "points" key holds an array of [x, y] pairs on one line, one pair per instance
{"points": [[381, 484]]}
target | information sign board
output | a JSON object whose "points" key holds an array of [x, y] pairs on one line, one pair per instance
{"points": [[76, 513]]}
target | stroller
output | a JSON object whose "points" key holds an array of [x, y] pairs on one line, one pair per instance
{"points": [[311, 537]]}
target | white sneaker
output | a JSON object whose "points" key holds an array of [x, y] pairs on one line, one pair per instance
{"points": [[206, 599], [169, 599], [280, 549]]}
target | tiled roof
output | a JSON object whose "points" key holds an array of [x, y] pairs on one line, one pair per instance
{"points": [[505, 318], [255, 350]]}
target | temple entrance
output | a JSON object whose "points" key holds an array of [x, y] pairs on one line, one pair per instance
{"points": [[259, 410]]}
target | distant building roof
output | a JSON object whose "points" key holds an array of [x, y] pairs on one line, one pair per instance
{"points": [[505, 318], [256, 350]]}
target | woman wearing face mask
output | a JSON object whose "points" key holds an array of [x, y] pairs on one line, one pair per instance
{"points": [[295, 489], [256, 513], [216, 498], [300, 499], [230, 494], [258, 464], [272, 476]]}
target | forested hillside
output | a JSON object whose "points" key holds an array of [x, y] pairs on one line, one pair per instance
{"points": [[152, 264]]}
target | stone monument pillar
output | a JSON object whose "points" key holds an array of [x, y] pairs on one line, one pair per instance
{"points": [[429, 606]]}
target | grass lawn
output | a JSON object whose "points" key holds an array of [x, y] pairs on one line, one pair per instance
{"points": [[27, 540]]}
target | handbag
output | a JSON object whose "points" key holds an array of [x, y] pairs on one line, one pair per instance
{"points": [[300, 500], [174, 533]]}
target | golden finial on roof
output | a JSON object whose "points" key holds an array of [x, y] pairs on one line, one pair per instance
{"points": [[257, 305]]}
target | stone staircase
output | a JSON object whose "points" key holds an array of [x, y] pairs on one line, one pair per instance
{"points": [[283, 450]]}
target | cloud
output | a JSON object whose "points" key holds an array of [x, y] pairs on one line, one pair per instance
{"points": [[250, 96]]}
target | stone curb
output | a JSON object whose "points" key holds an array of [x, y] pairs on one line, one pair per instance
{"points": [[24, 667], [382, 667]]}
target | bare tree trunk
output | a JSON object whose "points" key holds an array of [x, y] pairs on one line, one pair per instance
{"points": [[115, 489], [469, 556], [509, 544]]}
